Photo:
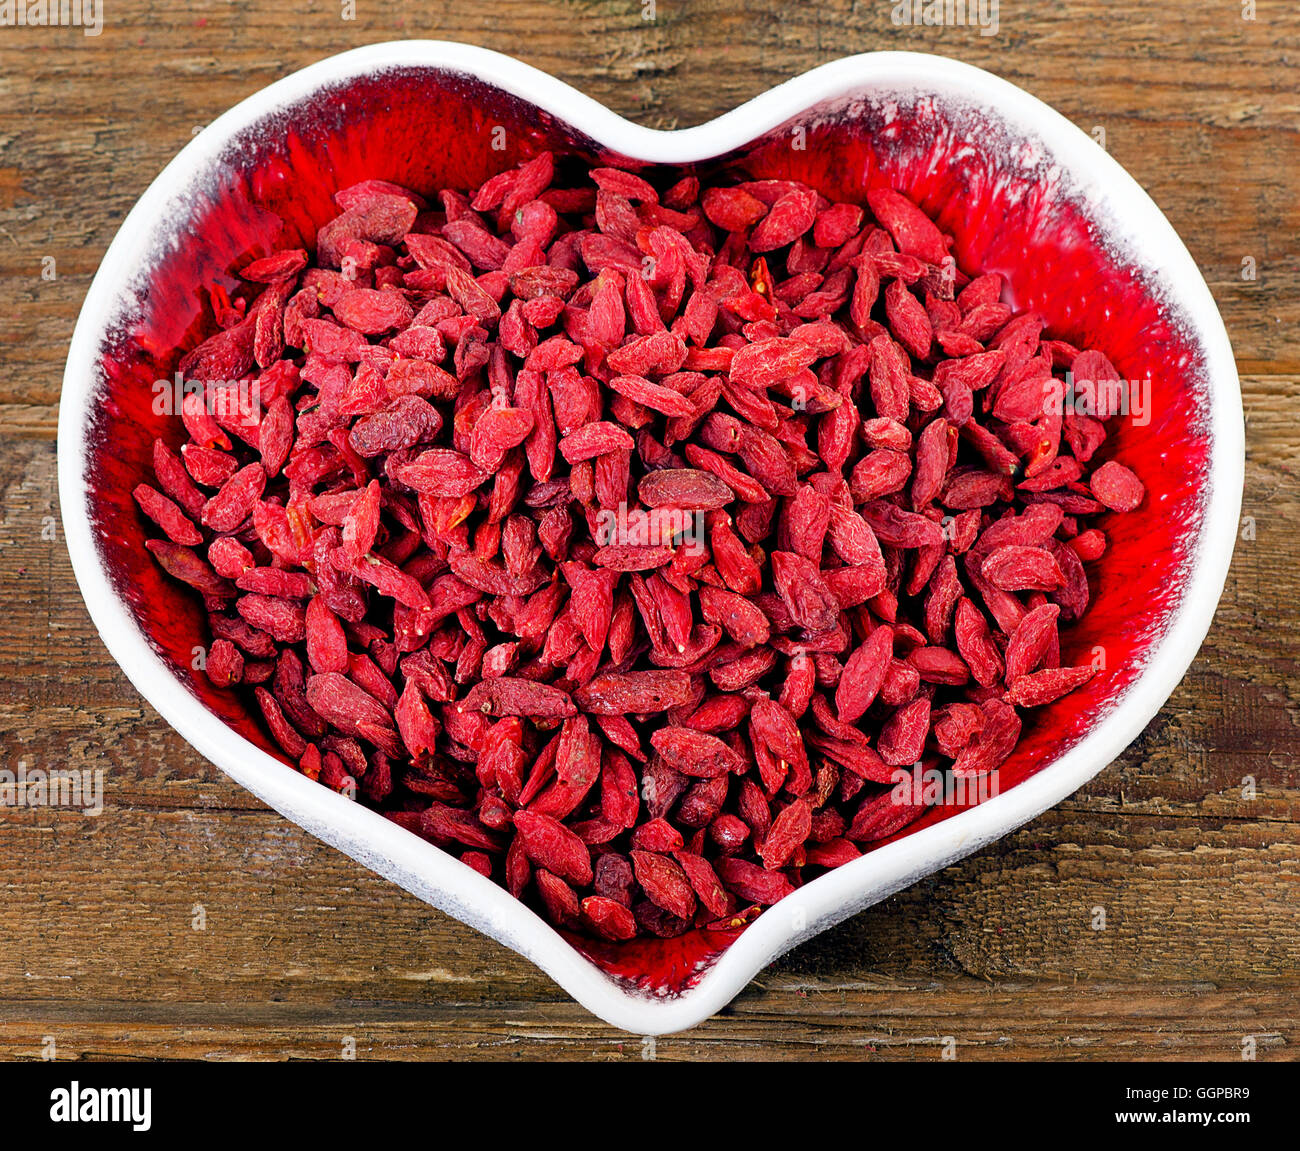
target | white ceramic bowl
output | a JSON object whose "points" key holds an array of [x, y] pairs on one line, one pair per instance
{"points": [[880, 80]]}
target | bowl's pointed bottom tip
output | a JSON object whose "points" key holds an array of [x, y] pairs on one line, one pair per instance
{"points": [[662, 968]]}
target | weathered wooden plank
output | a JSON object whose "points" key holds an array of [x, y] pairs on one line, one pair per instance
{"points": [[869, 1019]]}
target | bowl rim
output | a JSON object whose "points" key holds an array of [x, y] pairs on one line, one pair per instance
{"points": [[440, 879]]}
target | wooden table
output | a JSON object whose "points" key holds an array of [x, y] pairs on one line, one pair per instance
{"points": [[99, 953]]}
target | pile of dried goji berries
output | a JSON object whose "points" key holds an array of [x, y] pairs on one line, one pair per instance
{"points": [[629, 541]]}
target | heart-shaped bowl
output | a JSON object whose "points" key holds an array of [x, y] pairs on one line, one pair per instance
{"points": [[1023, 191]]}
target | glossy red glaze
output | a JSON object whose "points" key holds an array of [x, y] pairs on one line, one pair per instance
{"points": [[428, 131]]}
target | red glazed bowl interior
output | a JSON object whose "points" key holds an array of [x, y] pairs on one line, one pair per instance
{"points": [[429, 130]]}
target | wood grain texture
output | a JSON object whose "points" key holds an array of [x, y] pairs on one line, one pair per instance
{"points": [[302, 949]]}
